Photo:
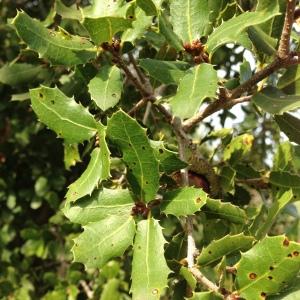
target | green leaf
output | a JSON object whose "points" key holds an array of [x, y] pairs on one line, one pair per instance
{"points": [[103, 240], [96, 171], [289, 77], [233, 30], [189, 18], [273, 212], [22, 73], [290, 125], [71, 155], [224, 246], [148, 251], [165, 28], [111, 290], [284, 179], [168, 160], [183, 202], [189, 277], [274, 101], [245, 71], [67, 118], [67, 12], [267, 267], [205, 296], [101, 204], [227, 179], [167, 72], [106, 87], [283, 156], [130, 137], [291, 293], [199, 83], [225, 210], [147, 6], [103, 29], [59, 47]]}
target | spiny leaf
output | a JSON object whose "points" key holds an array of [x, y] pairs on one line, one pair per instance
{"points": [[225, 210], [274, 101], [59, 47], [101, 204], [189, 18], [106, 87], [224, 246], [103, 240], [167, 72], [67, 118], [199, 83], [130, 137], [233, 30], [290, 125], [96, 171], [183, 202], [148, 251], [71, 155], [267, 267]]}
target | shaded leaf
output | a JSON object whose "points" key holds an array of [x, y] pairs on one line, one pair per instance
{"points": [[205, 296], [289, 77], [106, 87], [111, 290], [199, 83], [283, 156], [267, 267], [67, 12], [183, 202], [224, 246], [148, 251], [71, 155], [147, 6], [130, 137], [103, 240], [290, 125], [67, 118], [284, 179], [227, 179], [59, 47]]}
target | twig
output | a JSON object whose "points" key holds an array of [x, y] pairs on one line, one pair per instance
{"points": [[147, 112], [284, 43], [137, 69], [89, 293]]}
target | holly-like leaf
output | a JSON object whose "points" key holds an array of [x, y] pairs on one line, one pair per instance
{"points": [[199, 83], [148, 251], [233, 30], [106, 87], [59, 47], [205, 296], [67, 12], [130, 137], [22, 73], [267, 267], [103, 29], [102, 203], [96, 171], [274, 101], [224, 246], [183, 202], [111, 290], [290, 125], [168, 160], [71, 155], [227, 179], [167, 72], [225, 210], [67, 118], [148, 7], [103, 240], [189, 18]]}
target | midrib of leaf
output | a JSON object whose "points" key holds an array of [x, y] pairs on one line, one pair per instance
{"points": [[189, 20], [106, 206], [106, 85], [194, 82], [66, 119]]}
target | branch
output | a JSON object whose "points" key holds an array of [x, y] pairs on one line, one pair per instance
{"points": [[284, 43]]}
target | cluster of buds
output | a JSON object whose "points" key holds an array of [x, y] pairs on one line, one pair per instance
{"points": [[196, 49], [141, 209], [114, 46]]}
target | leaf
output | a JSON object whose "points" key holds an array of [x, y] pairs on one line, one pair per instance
{"points": [[96, 171], [194, 87], [67, 12], [233, 30], [103, 240], [22, 73], [274, 101], [225, 210], [147, 6], [167, 72], [291, 293], [273, 212], [283, 156], [284, 179], [205, 296], [267, 267], [103, 29], [111, 290], [148, 251], [289, 77], [165, 28], [183, 202], [71, 155], [224, 246], [59, 47], [168, 160], [245, 72], [290, 125], [130, 137], [106, 87], [101, 204], [227, 179], [189, 18], [67, 118]]}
